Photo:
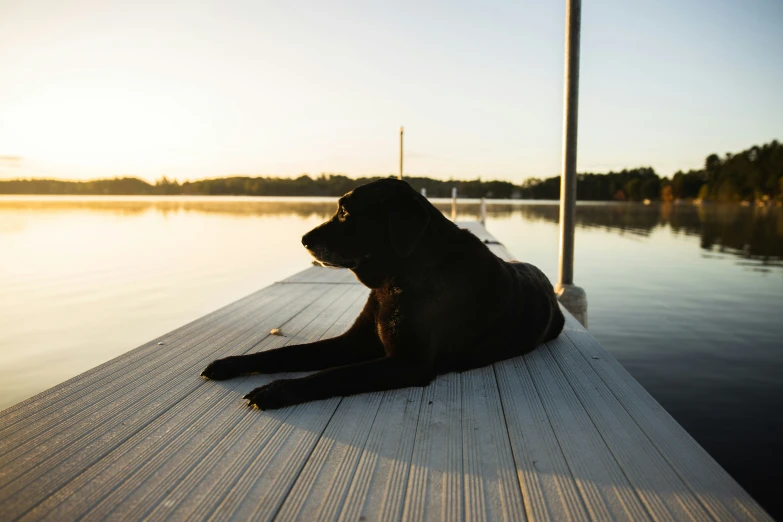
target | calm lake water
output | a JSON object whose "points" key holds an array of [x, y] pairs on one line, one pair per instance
{"points": [[689, 299]]}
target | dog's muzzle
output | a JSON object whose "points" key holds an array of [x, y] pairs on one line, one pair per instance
{"points": [[313, 241], [330, 260]]}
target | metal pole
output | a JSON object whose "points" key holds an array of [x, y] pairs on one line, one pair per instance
{"points": [[401, 132], [572, 297], [454, 203], [570, 113], [483, 212]]}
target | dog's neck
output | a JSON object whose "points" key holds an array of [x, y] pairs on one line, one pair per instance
{"points": [[391, 271]]}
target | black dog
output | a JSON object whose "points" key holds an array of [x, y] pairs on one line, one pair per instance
{"points": [[440, 302]]}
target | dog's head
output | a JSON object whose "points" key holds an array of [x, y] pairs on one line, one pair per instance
{"points": [[374, 223]]}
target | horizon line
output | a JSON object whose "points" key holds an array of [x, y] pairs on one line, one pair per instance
{"points": [[311, 176]]}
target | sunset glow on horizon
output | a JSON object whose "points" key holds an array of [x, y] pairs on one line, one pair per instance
{"points": [[192, 90]]}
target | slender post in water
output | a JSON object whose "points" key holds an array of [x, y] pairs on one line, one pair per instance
{"points": [[571, 296], [483, 210], [401, 132], [454, 203]]}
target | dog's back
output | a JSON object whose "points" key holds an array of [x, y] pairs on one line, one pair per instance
{"points": [[491, 309]]}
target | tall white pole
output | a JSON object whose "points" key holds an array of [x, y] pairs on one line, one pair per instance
{"points": [[401, 132], [572, 297]]}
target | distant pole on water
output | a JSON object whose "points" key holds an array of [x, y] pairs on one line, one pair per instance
{"points": [[571, 296], [454, 203], [402, 130]]}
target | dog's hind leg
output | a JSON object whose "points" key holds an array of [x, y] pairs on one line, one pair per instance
{"points": [[380, 374]]}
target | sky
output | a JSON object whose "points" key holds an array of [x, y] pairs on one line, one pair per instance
{"points": [[195, 89]]}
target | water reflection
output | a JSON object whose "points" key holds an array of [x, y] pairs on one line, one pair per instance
{"points": [[301, 207], [754, 234]]}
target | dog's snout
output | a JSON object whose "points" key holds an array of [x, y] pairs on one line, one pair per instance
{"points": [[308, 240]]}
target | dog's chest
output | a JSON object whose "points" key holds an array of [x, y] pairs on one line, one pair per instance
{"points": [[390, 314], [397, 321], [405, 323]]}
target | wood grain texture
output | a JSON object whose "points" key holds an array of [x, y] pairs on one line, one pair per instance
{"points": [[562, 433]]}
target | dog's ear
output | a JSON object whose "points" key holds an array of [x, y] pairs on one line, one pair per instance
{"points": [[408, 220]]}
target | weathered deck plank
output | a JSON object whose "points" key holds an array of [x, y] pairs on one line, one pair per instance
{"points": [[492, 490], [548, 487], [434, 490], [378, 488], [561, 433]]}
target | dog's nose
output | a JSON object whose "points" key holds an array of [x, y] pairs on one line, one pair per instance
{"points": [[310, 239]]}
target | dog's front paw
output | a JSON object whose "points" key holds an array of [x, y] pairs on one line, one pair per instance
{"points": [[221, 369], [276, 394]]}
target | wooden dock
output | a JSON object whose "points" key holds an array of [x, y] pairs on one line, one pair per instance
{"points": [[563, 433]]}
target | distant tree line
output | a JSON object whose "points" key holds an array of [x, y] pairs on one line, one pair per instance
{"points": [[116, 186], [627, 185], [333, 185], [753, 174]]}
